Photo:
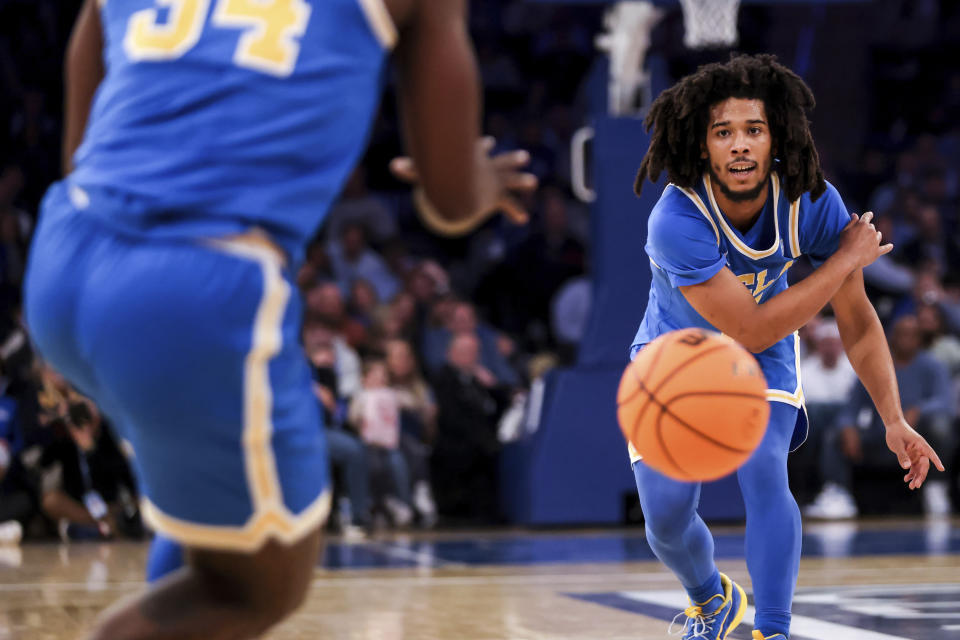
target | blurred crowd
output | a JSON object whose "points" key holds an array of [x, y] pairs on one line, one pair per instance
{"points": [[427, 351], [423, 349]]}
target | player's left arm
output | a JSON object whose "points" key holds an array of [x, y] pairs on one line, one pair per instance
{"points": [[83, 71], [866, 346]]}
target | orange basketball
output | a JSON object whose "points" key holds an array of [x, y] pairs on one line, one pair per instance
{"points": [[694, 404]]}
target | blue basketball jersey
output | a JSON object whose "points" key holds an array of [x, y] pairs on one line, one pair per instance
{"points": [[216, 116], [689, 240]]}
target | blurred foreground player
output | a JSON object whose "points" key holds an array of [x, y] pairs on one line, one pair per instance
{"points": [[746, 199], [213, 136]]}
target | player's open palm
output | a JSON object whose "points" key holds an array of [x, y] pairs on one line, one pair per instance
{"points": [[913, 452], [507, 168], [861, 240]]}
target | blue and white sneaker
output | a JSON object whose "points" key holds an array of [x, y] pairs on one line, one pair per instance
{"points": [[715, 618]]}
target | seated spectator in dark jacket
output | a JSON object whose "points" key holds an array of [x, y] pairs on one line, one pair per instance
{"points": [[859, 438], [87, 487], [464, 461]]}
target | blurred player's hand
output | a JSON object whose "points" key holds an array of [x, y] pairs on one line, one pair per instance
{"points": [[861, 241], [913, 452], [507, 167]]}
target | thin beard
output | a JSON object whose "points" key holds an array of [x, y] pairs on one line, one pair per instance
{"points": [[739, 196]]}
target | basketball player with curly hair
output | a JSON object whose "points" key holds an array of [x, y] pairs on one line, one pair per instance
{"points": [[747, 197]]}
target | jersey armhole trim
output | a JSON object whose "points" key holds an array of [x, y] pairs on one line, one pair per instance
{"points": [[795, 228], [690, 193], [381, 23]]}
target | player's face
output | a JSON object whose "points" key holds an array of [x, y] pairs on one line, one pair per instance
{"points": [[739, 148]]}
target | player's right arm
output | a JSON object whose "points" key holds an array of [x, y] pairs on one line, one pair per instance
{"points": [[726, 304], [83, 71], [441, 109]]}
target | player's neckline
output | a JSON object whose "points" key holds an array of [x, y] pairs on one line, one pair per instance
{"points": [[735, 237]]}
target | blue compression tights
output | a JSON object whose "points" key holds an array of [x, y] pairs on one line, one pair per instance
{"points": [[681, 540]]}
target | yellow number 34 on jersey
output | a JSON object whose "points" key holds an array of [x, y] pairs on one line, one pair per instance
{"points": [[269, 44]]}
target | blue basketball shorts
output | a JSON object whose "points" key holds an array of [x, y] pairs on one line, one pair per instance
{"points": [[192, 349]]}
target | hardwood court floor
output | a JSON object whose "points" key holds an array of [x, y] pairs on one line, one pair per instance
{"points": [[872, 581]]}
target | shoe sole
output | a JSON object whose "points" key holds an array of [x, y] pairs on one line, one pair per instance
{"points": [[739, 616]]}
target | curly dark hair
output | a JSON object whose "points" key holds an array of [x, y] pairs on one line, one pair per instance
{"points": [[678, 118]]}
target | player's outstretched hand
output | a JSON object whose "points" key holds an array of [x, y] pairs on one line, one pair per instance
{"points": [[861, 240], [507, 168], [913, 452]]}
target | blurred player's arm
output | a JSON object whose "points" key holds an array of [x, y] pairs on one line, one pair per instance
{"points": [[726, 304], [869, 354], [440, 103], [83, 71]]}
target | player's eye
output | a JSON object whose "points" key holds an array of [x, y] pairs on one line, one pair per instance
{"points": [[722, 133], [755, 130]]}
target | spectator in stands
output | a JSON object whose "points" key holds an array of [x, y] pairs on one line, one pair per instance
{"points": [[317, 332], [393, 321], [496, 349], [828, 379], [316, 267], [427, 283], [418, 424], [569, 315], [16, 503], [347, 453], [325, 304], [858, 437], [936, 340], [15, 227], [352, 258], [521, 288], [930, 245], [358, 206], [362, 302], [87, 486], [466, 451], [375, 415]]}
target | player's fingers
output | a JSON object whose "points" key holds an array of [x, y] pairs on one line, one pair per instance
{"points": [[932, 456], [511, 160], [519, 181], [404, 169], [867, 217], [853, 219], [886, 248], [487, 143], [513, 210]]}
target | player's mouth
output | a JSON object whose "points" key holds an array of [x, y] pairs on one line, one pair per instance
{"points": [[742, 170]]}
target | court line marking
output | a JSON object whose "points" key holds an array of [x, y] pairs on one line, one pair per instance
{"points": [[423, 558], [800, 625], [336, 580]]}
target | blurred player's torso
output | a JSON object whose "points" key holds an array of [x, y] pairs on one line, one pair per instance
{"points": [[216, 116]]}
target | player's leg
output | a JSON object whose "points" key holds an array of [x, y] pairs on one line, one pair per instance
{"points": [[165, 557], [773, 523], [681, 540], [675, 531], [218, 596]]}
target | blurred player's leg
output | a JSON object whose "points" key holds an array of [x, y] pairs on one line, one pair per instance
{"points": [[773, 523], [165, 557], [675, 531], [218, 596], [681, 540], [193, 348]]}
